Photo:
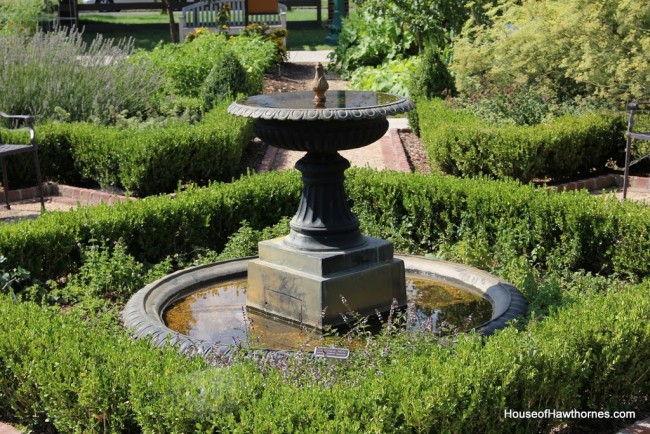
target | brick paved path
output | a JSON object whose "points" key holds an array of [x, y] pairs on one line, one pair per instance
{"points": [[386, 153]]}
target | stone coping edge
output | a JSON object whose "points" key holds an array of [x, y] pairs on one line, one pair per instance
{"points": [[142, 313], [603, 182], [85, 196], [507, 301]]}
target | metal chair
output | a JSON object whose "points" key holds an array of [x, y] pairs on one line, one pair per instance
{"points": [[10, 149], [632, 107]]}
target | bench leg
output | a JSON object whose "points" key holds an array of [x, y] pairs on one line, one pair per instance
{"points": [[5, 182], [38, 179]]}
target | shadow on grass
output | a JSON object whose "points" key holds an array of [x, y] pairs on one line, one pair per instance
{"points": [[308, 39]]}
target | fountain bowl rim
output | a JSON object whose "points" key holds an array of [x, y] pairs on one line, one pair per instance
{"points": [[143, 312], [239, 108]]}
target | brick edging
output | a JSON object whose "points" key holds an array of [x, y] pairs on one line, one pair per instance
{"points": [[269, 158], [85, 196], [393, 152]]}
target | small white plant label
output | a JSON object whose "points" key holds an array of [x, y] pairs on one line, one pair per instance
{"points": [[331, 353]]}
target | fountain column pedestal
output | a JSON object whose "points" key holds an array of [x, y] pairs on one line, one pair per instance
{"points": [[324, 268], [318, 288]]}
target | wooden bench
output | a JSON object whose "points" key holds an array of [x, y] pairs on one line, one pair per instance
{"points": [[242, 13], [7, 150]]}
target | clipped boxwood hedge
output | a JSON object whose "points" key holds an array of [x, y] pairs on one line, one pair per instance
{"points": [[463, 145], [84, 374], [152, 228], [493, 220], [61, 371], [144, 160]]}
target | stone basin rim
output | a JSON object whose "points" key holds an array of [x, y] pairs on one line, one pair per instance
{"points": [[143, 312]]}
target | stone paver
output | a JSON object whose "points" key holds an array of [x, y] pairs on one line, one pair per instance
{"points": [[632, 194], [57, 198], [31, 208], [8, 429], [386, 153], [370, 156], [315, 56], [640, 427]]}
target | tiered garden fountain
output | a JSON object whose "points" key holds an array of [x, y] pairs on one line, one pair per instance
{"points": [[325, 267]]}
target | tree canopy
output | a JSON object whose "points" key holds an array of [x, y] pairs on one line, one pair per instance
{"points": [[598, 49]]}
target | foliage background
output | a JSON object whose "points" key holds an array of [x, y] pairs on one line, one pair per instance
{"points": [[572, 49]]}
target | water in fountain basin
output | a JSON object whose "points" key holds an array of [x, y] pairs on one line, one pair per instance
{"points": [[219, 314]]}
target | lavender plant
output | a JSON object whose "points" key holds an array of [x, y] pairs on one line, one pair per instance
{"points": [[56, 75]]}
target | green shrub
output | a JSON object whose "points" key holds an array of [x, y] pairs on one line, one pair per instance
{"points": [[57, 141], [82, 373], [490, 224], [143, 160], [546, 45], [75, 375], [391, 76], [277, 36], [244, 242], [461, 144], [154, 161], [431, 79], [516, 105], [22, 16], [376, 32], [498, 222], [56, 75], [153, 228], [187, 65], [367, 39], [59, 371], [107, 272], [225, 81]]}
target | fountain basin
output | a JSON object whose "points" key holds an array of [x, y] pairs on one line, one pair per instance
{"points": [[143, 313], [347, 120]]}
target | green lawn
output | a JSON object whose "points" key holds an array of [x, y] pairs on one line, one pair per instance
{"points": [[144, 37], [308, 39], [127, 17], [150, 28]]}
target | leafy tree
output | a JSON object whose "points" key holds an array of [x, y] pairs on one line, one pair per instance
{"points": [[594, 49], [388, 30], [368, 39], [429, 19]]}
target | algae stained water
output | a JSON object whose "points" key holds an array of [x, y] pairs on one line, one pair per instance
{"points": [[219, 314]]}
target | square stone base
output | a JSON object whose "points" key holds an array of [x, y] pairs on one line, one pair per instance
{"points": [[310, 288]]}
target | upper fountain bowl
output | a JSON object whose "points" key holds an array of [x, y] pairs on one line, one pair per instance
{"points": [[345, 120]]}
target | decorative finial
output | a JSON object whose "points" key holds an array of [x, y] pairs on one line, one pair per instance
{"points": [[319, 85]]}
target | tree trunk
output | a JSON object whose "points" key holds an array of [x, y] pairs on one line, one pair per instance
{"points": [[173, 29]]}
